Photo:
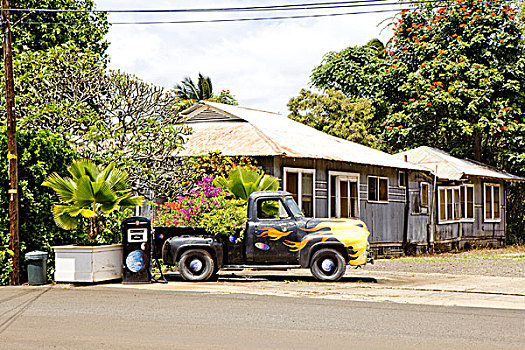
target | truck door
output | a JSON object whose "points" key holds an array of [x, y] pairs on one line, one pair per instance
{"points": [[272, 225]]}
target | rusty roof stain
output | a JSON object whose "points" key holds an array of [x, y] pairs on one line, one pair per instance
{"points": [[244, 131], [232, 139]]}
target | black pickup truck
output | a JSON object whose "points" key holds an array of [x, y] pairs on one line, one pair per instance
{"points": [[277, 233]]}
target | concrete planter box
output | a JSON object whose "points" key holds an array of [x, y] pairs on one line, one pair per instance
{"points": [[88, 263]]}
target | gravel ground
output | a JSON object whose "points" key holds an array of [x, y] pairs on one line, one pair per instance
{"points": [[503, 262]]}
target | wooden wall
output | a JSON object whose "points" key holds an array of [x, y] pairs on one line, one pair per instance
{"points": [[478, 229], [386, 221]]}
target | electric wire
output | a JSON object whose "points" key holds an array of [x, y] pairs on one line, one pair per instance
{"points": [[231, 19], [291, 7], [357, 3]]}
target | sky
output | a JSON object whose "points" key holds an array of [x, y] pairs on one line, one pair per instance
{"points": [[262, 63]]}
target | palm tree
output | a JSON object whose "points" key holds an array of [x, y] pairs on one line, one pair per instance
{"points": [[242, 181], [187, 89], [89, 193]]}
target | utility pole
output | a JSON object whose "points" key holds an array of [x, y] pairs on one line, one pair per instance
{"points": [[12, 153]]}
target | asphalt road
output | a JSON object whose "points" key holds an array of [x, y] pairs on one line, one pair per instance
{"points": [[100, 317]]}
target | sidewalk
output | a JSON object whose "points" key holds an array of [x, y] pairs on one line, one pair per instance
{"points": [[362, 285]]}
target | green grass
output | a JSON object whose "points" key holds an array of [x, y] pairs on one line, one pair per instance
{"points": [[421, 259], [459, 258], [495, 256]]}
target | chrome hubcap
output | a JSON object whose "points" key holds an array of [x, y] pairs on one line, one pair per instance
{"points": [[327, 265], [196, 265]]}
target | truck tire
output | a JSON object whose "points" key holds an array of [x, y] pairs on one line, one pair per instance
{"points": [[328, 265], [196, 265]]}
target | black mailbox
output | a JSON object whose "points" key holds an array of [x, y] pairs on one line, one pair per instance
{"points": [[136, 242]]}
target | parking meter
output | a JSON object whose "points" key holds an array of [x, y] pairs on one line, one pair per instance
{"points": [[136, 242]]}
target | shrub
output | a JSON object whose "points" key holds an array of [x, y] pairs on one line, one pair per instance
{"points": [[214, 163], [207, 206], [40, 153]]}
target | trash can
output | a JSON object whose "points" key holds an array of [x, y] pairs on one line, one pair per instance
{"points": [[36, 267]]}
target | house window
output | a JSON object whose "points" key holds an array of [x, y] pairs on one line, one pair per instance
{"points": [[492, 202], [344, 195], [467, 201], [300, 183], [447, 203], [456, 203], [424, 194], [401, 179], [377, 189]]}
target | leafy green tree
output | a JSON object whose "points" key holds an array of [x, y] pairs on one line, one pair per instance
{"points": [[451, 78], [334, 114], [40, 153], [462, 74], [107, 116], [243, 181], [353, 71], [89, 193], [35, 31]]}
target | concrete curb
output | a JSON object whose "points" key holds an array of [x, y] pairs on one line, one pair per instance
{"points": [[373, 286]]}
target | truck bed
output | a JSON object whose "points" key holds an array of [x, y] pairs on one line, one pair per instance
{"points": [[162, 233]]}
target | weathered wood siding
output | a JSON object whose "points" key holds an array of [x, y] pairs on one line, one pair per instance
{"points": [[385, 220], [419, 219], [479, 228]]}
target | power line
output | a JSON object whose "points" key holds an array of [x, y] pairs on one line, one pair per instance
{"points": [[231, 19], [294, 7], [333, 5], [319, 15]]}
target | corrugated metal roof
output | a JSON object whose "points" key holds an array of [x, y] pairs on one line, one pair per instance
{"points": [[231, 138], [452, 168], [270, 134]]}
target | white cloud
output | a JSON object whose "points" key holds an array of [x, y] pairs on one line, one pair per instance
{"points": [[263, 63]]}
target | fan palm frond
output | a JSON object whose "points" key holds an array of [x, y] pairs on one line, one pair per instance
{"points": [[89, 193], [64, 188], [83, 167]]}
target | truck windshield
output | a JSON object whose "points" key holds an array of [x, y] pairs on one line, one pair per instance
{"points": [[293, 207]]}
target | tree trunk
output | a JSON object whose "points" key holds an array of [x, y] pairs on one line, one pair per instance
{"points": [[92, 229], [477, 146]]}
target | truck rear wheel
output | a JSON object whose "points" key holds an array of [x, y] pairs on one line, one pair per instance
{"points": [[196, 265], [328, 265]]}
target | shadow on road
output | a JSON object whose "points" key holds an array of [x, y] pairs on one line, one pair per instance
{"points": [[232, 277]]}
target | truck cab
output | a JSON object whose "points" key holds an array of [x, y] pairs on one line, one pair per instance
{"points": [[277, 233]]}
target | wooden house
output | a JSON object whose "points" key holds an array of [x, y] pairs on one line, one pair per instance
{"points": [[328, 176], [411, 201], [463, 202]]}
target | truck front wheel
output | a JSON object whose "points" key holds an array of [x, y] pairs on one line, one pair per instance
{"points": [[328, 265], [196, 265]]}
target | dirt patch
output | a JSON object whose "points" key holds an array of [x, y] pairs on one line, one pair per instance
{"points": [[504, 262]]}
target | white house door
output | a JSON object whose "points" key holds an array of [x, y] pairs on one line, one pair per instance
{"points": [[344, 196]]}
